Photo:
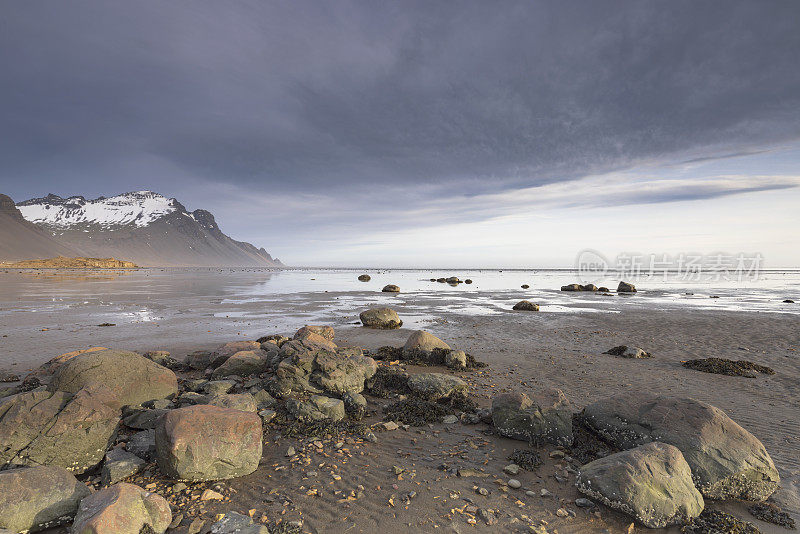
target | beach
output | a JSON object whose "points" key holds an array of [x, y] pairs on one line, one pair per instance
{"points": [[43, 314]]}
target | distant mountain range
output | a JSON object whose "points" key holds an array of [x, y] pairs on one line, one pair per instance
{"points": [[143, 227]]}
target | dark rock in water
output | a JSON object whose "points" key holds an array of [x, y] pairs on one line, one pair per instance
{"points": [[721, 366], [57, 428], [325, 331], [526, 305], [527, 459], [727, 461], [625, 287], [788, 301], [718, 522], [545, 417], [133, 378], [391, 288], [441, 280], [602, 289], [589, 287], [452, 280], [364, 278], [119, 465], [628, 352], [652, 482], [571, 287], [383, 318], [771, 513], [208, 443], [433, 279], [37, 498], [123, 509], [525, 286], [468, 281]]}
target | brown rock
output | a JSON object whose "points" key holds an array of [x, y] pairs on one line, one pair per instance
{"points": [[122, 509]]}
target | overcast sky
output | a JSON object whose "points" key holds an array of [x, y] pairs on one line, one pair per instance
{"points": [[498, 134]]}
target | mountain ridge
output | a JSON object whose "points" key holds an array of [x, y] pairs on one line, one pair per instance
{"points": [[140, 226]]}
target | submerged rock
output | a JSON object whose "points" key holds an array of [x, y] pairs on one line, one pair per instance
{"points": [[525, 305], [208, 443], [122, 509], [652, 482], [37, 498], [571, 287], [727, 461], [545, 417], [58, 428], [244, 402], [625, 287], [390, 288], [133, 378], [364, 278], [384, 318]]}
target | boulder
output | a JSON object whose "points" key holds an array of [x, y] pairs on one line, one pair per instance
{"points": [[364, 278], [384, 318], [227, 350], [58, 428], [37, 498], [235, 523], [588, 287], [119, 465], [525, 286], [571, 287], [199, 359], [316, 408], [436, 386], [218, 387], [241, 401], [133, 378], [312, 339], [142, 418], [468, 281], [422, 343], [628, 352], [142, 444], [452, 280], [526, 305], [263, 398], [355, 405], [625, 287], [455, 359], [205, 442], [544, 417], [652, 482], [324, 331], [45, 372], [727, 461], [243, 363], [161, 357], [306, 367], [391, 288], [122, 509]]}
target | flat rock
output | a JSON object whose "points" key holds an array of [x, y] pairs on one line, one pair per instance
{"points": [[133, 378], [208, 443], [316, 408], [119, 465], [383, 318], [544, 417], [436, 386], [122, 509], [58, 428], [727, 461], [240, 401], [652, 482], [243, 363], [37, 498]]}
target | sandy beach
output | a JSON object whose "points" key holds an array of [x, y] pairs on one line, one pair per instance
{"points": [[525, 351]]}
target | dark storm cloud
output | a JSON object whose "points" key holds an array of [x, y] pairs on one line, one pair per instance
{"points": [[289, 96]]}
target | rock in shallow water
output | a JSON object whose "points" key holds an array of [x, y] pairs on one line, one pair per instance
{"points": [[384, 318], [726, 460], [526, 305], [653, 483], [208, 443], [35, 498]]}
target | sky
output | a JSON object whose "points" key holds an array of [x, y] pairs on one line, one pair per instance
{"points": [[420, 134]]}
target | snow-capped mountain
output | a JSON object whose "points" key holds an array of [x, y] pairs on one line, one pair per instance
{"points": [[139, 208], [143, 227]]}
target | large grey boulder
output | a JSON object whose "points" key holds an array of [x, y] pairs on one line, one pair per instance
{"points": [[625, 287], [316, 408], [133, 378], [37, 498], [122, 509], [205, 442], [544, 417], [243, 363], [652, 482], [58, 428], [306, 367], [436, 386], [384, 318], [727, 461]]}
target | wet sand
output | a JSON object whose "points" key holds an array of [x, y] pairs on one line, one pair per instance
{"points": [[523, 349]]}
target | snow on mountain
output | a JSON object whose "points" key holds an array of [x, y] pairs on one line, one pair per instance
{"points": [[138, 208]]}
